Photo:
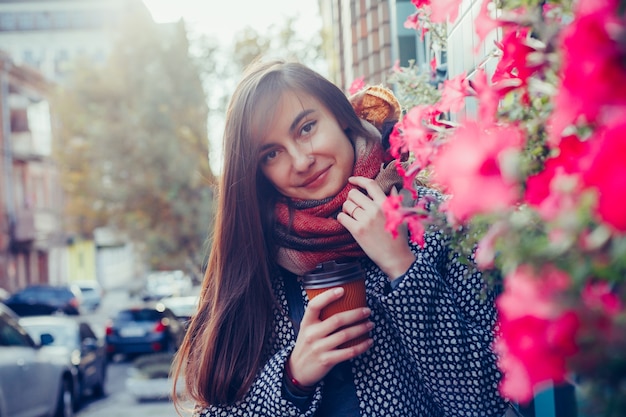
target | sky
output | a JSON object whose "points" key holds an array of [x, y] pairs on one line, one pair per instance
{"points": [[221, 19]]}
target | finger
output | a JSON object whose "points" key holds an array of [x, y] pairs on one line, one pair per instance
{"points": [[371, 186], [350, 207], [344, 319], [338, 355], [360, 200], [348, 333], [317, 303]]}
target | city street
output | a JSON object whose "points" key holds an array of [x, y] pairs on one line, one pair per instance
{"points": [[118, 402]]}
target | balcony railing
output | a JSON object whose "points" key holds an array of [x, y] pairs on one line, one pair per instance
{"points": [[34, 224]]}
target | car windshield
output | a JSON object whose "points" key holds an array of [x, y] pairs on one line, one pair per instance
{"points": [[139, 315]]}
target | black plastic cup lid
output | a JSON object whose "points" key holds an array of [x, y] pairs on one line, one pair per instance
{"points": [[332, 273]]}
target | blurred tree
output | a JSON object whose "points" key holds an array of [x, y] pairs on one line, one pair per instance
{"points": [[282, 41], [133, 147]]}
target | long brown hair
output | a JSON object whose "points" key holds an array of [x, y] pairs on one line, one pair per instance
{"points": [[224, 346]]}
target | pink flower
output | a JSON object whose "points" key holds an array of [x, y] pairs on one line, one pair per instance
{"points": [[441, 10], [412, 134], [433, 64], [392, 207], [453, 94], [562, 202], [416, 229], [412, 22], [598, 296], [514, 63], [470, 163], [396, 215], [516, 382], [607, 174], [532, 293], [484, 24], [408, 175], [591, 56], [357, 85], [533, 352], [396, 66], [545, 190], [561, 336], [485, 252], [488, 97], [537, 336], [421, 3]]}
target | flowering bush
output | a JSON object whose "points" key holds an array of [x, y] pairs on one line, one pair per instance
{"points": [[536, 178]]}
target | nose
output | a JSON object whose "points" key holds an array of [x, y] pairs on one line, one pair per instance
{"points": [[302, 158]]}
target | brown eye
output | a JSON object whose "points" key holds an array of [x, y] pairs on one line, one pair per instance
{"points": [[268, 157], [307, 128]]}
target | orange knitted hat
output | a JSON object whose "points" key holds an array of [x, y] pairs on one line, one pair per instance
{"points": [[376, 104]]}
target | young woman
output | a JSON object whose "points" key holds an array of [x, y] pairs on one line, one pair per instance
{"points": [[302, 184]]}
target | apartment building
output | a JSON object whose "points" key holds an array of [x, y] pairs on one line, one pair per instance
{"points": [[31, 234], [39, 42]]}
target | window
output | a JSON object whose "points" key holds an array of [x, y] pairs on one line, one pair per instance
{"points": [[7, 21], [26, 21], [19, 120], [12, 336], [86, 332], [43, 21], [61, 20]]}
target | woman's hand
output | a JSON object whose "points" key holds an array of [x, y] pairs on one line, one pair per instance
{"points": [[364, 218], [316, 350]]}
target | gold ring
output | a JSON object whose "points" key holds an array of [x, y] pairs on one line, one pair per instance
{"points": [[353, 210]]}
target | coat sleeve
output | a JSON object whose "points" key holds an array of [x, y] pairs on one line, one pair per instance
{"points": [[445, 318], [264, 398]]}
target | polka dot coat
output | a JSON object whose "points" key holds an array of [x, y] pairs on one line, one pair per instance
{"points": [[432, 352]]}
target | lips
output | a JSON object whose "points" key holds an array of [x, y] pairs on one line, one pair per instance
{"points": [[313, 178]]}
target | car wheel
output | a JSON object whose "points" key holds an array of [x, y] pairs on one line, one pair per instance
{"points": [[65, 403]]}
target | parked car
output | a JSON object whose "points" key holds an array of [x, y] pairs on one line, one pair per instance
{"points": [[183, 307], [76, 344], [149, 378], [31, 385], [143, 329], [161, 284], [43, 299], [91, 293]]}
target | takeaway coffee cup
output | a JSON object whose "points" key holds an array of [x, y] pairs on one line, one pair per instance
{"points": [[332, 274]]}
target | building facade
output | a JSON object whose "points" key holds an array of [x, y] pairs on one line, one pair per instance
{"points": [[32, 238], [40, 40], [365, 38]]}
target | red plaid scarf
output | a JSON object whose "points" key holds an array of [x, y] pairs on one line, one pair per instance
{"points": [[308, 231]]}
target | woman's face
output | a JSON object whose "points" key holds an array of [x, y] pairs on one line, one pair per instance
{"points": [[305, 154]]}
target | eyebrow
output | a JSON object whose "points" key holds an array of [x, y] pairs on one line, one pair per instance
{"points": [[294, 124], [299, 117]]}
